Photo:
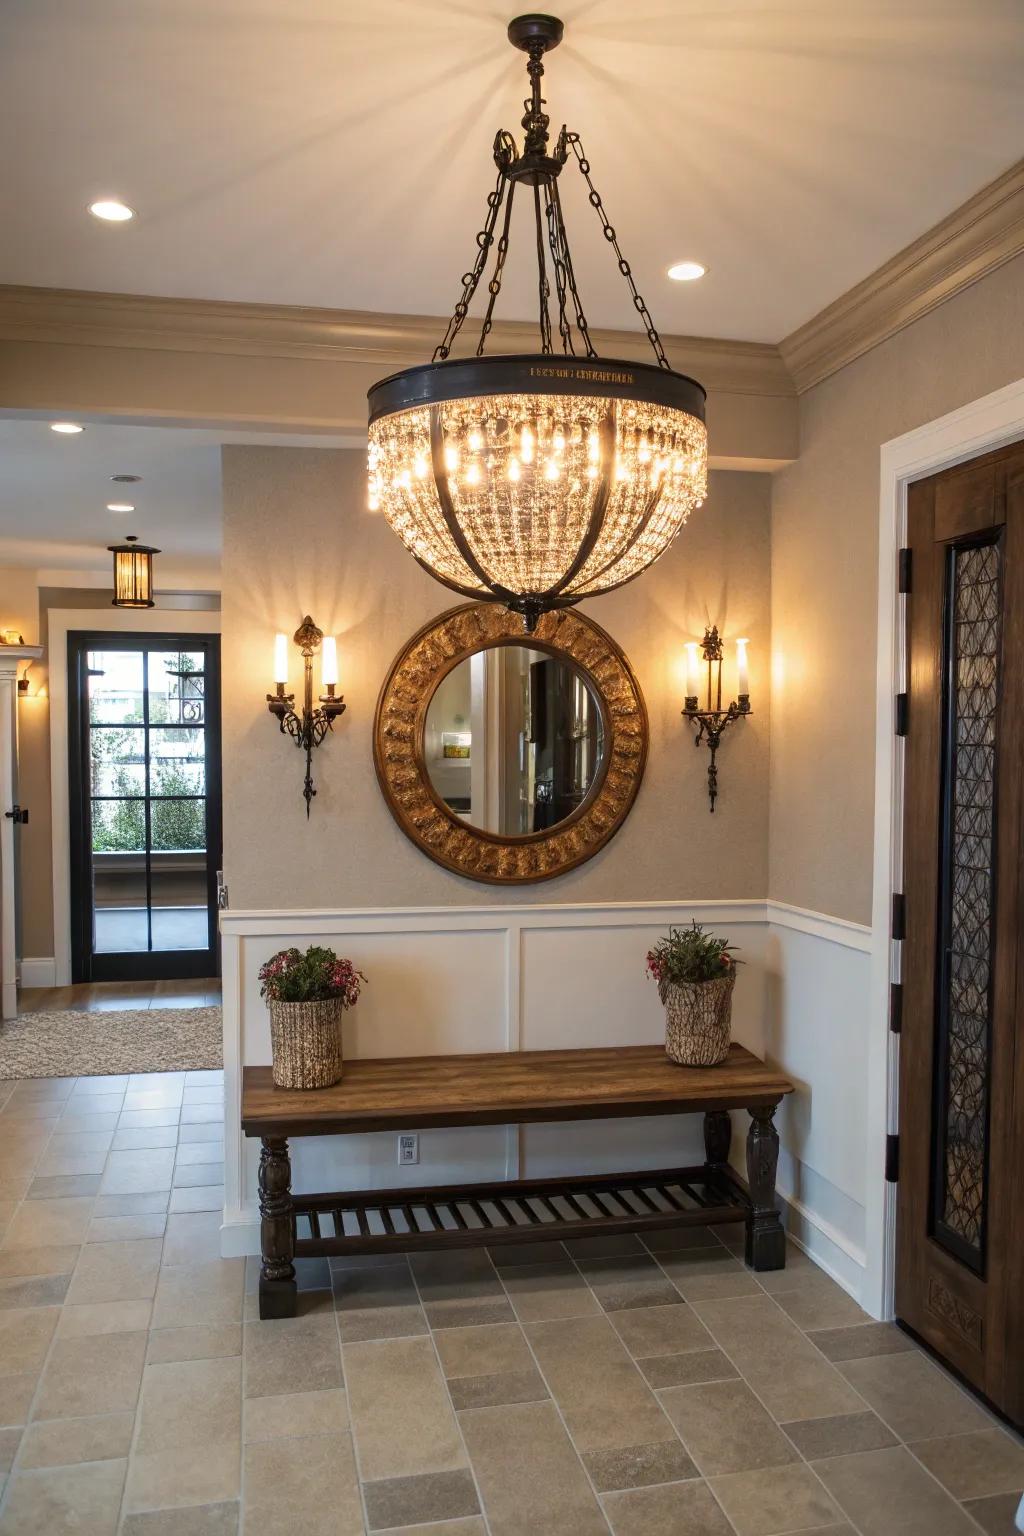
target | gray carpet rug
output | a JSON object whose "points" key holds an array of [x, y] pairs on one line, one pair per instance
{"points": [[66, 1044]]}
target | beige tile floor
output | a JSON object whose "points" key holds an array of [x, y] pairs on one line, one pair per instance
{"points": [[603, 1385]]}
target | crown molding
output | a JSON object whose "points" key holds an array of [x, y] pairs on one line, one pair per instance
{"points": [[69, 316], [978, 237]]}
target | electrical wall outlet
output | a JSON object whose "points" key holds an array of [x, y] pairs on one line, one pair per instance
{"points": [[409, 1147]]}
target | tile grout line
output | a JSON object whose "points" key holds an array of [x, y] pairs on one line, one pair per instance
{"points": [[448, 1393], [557, 1406], [9, 1483], [356, 1460], [14, 1468], [753, 1390], [868, 1407], [647, 1252]]}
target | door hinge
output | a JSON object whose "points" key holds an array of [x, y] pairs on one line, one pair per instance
{"points": [[899, 915], [896, 1006], [902, 713], [904, 567], [18, 814], [892, 1159]]}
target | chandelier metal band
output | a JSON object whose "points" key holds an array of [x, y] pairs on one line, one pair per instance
{"points": [[539, 479]]}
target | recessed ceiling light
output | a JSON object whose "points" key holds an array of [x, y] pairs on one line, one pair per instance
{"points": [[67, 427], [120, 506], [686, 271], [111, 211]]}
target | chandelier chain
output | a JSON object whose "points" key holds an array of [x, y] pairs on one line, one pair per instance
{"points": [[570, 275], [573, 140], [484, 241], [558, 264], [543, 286], [494, 286]]}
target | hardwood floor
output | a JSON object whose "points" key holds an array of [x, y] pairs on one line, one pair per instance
{"points": [[102, 996]]}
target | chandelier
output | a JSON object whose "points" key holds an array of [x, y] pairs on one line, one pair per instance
{"points": [[537, 479]]}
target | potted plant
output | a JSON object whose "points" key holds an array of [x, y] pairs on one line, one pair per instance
{"points": [[306, 994], [695, 972]]}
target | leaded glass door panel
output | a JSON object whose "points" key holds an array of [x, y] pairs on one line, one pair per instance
{"points": [[960, 1233], [145, 805]]}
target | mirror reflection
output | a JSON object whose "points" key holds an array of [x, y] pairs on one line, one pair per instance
{"points": [[514, 739]]}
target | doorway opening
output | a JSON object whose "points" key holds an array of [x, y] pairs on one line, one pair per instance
{"points": [[145, 805]]}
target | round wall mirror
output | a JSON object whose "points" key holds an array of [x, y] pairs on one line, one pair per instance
{"points": [[514, 739], [510, 758]]}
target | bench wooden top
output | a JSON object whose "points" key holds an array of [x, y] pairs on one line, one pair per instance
{"points": [[511, 1087]]}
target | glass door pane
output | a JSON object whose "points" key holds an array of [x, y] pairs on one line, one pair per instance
{"points": [[149, 754]]}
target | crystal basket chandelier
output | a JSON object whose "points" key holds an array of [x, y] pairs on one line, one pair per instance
{"points": [[537, 479]]}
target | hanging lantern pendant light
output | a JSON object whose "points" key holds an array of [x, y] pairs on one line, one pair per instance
{"points": [[133, 573], [537, 479]]}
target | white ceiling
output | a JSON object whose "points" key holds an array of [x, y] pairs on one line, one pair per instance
{"points": [[325, 152], [54, 490]]}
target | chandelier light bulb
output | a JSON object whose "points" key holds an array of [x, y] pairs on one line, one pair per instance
{"points": [[514, 471], [526, 445]]}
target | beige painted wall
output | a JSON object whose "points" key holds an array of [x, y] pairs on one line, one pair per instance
{"points": [[297, 539], [824, 581]]}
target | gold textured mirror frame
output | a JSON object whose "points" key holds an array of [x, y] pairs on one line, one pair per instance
{"points": [[398, 734]]}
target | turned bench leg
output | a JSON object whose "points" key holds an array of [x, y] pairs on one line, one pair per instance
{"points": [[717, 1135], [766, 1239], [278, 1290]]}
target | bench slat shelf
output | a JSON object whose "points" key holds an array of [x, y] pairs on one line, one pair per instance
{"points": [[513, 1088]]}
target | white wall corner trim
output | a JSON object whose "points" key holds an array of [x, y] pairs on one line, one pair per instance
{"points": [[979, 427], [62, 622]]}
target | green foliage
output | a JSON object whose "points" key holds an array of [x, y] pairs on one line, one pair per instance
{"points": [[690, 954], [119, 825], [293, 977]]}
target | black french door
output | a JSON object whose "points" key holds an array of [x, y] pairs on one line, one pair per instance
{"points": [[145, 792]]}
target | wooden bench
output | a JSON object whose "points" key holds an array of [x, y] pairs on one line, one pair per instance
{"points": [[508, 1089]]}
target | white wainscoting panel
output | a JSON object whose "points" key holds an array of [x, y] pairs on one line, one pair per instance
{"points": [[816, 1029], [462, 979]]}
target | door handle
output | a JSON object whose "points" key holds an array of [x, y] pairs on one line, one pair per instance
{"points": [[18, 814]]}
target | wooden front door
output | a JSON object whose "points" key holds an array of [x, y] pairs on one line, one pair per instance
{"points": [[960, 1223]]}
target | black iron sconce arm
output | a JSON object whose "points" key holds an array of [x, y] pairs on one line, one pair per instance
{"points": [[712, 720], [309, 729]]}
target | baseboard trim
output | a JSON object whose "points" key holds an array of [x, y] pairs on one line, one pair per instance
{"points": [[38, 971], [240, 1233], [830, 1250]]}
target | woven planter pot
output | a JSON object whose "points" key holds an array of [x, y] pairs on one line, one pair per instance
{"points": [[697, 1019], [305, 1040]]}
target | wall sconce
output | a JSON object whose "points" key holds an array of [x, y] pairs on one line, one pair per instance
{"points": [[133, 573], [308, 729], [711, 721]]}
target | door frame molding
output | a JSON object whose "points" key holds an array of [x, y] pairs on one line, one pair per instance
{"points": [[155, 621], [983, 425]]}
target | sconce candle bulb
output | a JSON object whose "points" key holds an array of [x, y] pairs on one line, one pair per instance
{"points": [[712, 720], [329, 662], [309, 729], [742, 672], [281, 660]]}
